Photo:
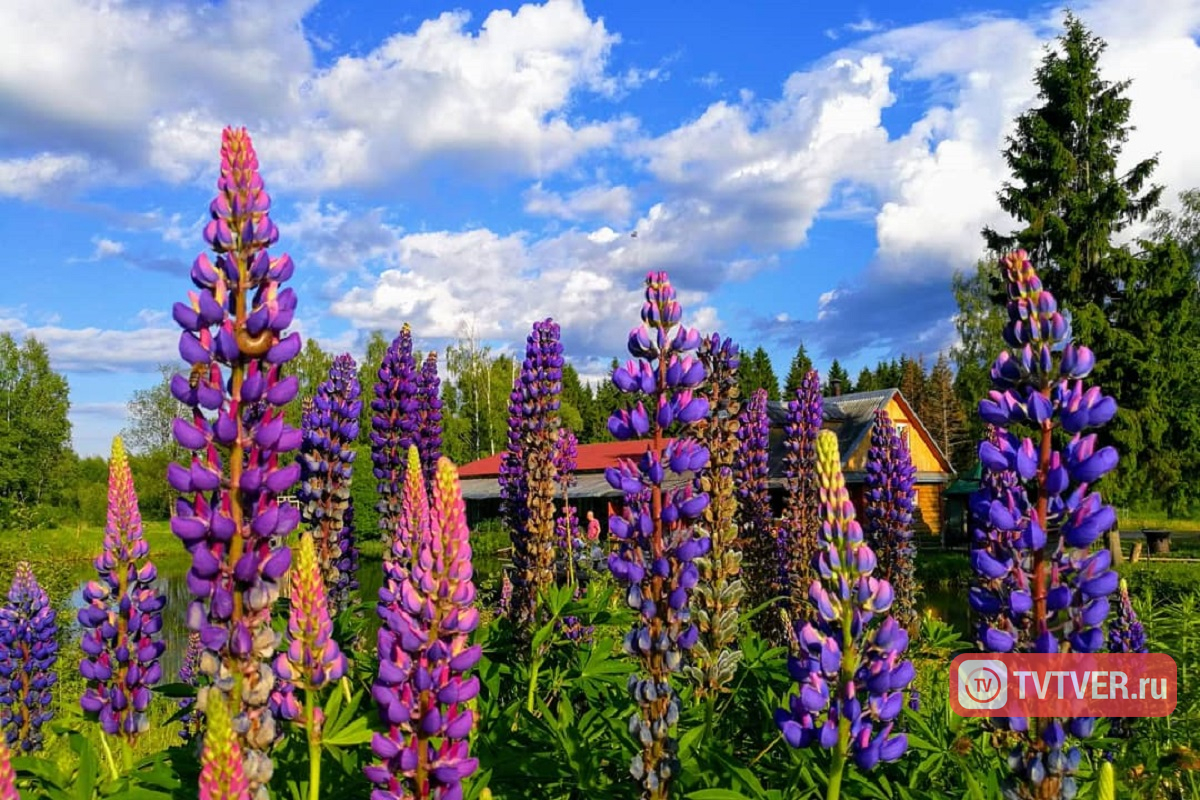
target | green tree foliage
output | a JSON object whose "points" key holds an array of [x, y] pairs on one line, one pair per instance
{"points": [[756, 372], [608, 400], [801, 365], [941, 411], [1133, 307], [35, 434], [311, 367], [887, 374], [150, 413], [912, 380], [577, 410], [866, 381], [837, 374], [980, 325]]}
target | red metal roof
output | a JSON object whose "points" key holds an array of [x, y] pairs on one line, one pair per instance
{"points": [[592, 458]]}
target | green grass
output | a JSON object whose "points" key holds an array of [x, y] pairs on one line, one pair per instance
{"points": [[78, 543], [1130, 520]]}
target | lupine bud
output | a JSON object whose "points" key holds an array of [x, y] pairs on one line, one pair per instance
{"points": [[847, 669], [230, 518], [720, 588], [123, 615], [797, 536], [8, 781], [1126, 634], [1031, 595], [28, 654], [395, 426], [221, 773], [755, 523], [527, 473], [312, 659], [656, 538], [890, 497], [330, 428], [422, 691]]}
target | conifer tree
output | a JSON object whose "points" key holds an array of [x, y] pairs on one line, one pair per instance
{"points": [[801, 365], [837, 375]]}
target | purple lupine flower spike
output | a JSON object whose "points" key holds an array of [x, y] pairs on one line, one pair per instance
{"points": [[527, 479], [752, 471], [394, 428], [890, 495], [1126, 635], [566, 525], [849, 672], [330, 428], [28, 655], [429, 417], [655, 534], [797, 537], [123, 615], [720, 589], [230, 518], [1033, 594], [428, 614], [312, 659], [189, 673]]}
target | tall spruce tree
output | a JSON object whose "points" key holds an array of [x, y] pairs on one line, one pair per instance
{"points": [[940, 410], [866, 381], [837, 375], [757, 373], [1129, 306], [801, 364], [913, 380]]}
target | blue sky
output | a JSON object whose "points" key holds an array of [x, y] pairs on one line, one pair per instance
{"points": [[808, 172]]}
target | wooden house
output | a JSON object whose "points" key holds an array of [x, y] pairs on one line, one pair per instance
{"points": [[850, 416]]}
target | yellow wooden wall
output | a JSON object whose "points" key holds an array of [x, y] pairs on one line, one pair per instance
{"points": [[923, 456]]}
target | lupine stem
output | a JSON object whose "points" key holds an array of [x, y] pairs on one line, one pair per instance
{"points": [[108, 756], [314, 744]]}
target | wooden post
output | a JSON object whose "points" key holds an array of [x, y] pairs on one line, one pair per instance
{"points": [[1114, 546], [1137, 553]]}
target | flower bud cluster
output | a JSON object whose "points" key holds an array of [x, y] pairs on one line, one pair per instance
{"points": [[1126, 634], [312, 659], [330, 427], [756, 525], [222, 776], [528, 480], [1033, 593], [655, 534], [801, 500], [395, 426], [720, 589], [28, 655], [848, 670], [890, 495], [230, 518], [429, 417], [123, 616], [423, 690]]}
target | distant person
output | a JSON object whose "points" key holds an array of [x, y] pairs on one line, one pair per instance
{"points": [[593, 527]]}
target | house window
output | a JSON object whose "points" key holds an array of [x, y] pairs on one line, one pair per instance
{"points": [[902, 429]]}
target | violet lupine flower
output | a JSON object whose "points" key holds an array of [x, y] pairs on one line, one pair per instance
{"points": [[8, 779], [1126, 634], [752, 471], [1034, 595], [797, 535], [28, 655], [429, 417], [890, 494], [573, 630], [230, 518], [330, 427], [428, 614], [394, 428], [655, 534], [123, 615], [222, 776], [189, 673], [720, 589], [347, 558], [849, 673], [528, 475], [312, 659]]}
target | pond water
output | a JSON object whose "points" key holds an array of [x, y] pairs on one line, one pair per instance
{"points": [[948, 605]]}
